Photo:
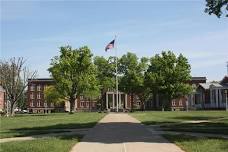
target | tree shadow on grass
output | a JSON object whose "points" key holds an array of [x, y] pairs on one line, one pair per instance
{"points": [[184, 118], [58, 128]]}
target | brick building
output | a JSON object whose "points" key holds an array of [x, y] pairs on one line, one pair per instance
{"points": [[2, 98], [37, 104]]}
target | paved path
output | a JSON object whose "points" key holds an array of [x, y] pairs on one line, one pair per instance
{"points": [[123, 133]]}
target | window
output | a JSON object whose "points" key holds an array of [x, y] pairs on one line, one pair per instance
{"points": [[31, 103], [38, 103], [52, 104], [45, 104], [38, 88], [32, 87], [32, 96], [81, 104], [173, 103], [81, 98], [38, 96], [180, 103]]}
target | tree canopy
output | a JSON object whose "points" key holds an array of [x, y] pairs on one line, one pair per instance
{"points": [[132, 75], [216, 7], [73, 72], [168, 75]]}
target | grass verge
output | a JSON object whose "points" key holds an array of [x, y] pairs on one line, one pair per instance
{"points": [[26, 125], [198, 144], [208, 121], [51, 144]]}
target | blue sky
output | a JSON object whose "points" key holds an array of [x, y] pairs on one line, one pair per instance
{"points": [[35, 30]]}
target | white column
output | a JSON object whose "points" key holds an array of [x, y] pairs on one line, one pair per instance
{"points": [[211, 94], [216, 97], [113, 100], [220, 97], [126, 101], [120, 105], [106, 100]]}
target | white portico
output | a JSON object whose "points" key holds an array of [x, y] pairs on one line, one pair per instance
{"points": [[111, 102]]}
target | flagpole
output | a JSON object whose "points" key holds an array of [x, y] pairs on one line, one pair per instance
{"points": [[117, 92]]}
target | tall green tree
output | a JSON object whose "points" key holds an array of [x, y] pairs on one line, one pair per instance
{"points": [[72, 71], [105, 75], [168, 75], [216, 7], [132, 76]]}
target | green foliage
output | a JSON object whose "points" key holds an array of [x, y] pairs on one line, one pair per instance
{"points": [[168, 75], [215, 7], [106, 72], [51, 95], [132, 75], [73, 71]]}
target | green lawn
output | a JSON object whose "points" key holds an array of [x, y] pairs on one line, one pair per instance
{"points": [[52, 144], [196, 144], [24, 125], [180, 120]]}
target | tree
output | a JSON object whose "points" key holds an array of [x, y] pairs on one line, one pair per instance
{"points": [[132, 76], [92, 92], [105, 75], [215, 7], [72, 72], [14, 79], [168, 75]]}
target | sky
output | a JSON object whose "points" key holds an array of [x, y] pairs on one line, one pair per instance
{"points": [[36, 29]]}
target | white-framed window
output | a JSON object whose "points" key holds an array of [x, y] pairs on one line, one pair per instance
{"points": [[39, 88], [180, 103], [32, 103], [173, 103], [81, 104], [38, 103], [38, 95], [32, 95], [52, 104], [32, 87], [81, 97], [45, 104]]}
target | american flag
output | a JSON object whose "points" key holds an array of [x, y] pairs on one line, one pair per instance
{"points": [[110, 45]]}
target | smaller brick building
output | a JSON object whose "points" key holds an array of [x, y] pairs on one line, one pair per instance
{"points": [[37, 104], [35, 97], [2, 98]]}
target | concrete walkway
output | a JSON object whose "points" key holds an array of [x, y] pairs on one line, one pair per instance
{"points": [[123, 133]]}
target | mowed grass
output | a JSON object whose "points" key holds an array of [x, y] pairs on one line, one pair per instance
{"points": [[198, 144], [52, 144], [32, 124], [183, 121]]}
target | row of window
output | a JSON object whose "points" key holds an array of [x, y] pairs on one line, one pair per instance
{"points": [[34, 88], [38, 96], [174, 103], [86, 104], [38, 104]]}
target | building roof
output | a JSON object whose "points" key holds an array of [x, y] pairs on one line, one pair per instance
{"points": [[209, 85], [199, 78], [41, 79]]}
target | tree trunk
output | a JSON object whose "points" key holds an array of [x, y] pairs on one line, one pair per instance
{"points": [[132, 101], [72, 105], [12, 107]]}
